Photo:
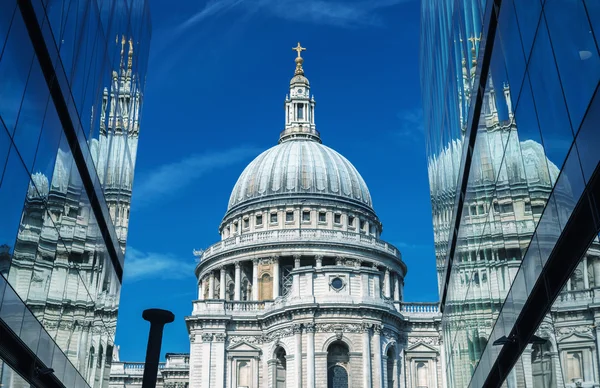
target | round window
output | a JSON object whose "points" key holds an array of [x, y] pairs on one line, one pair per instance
{"points": [[337, 283]]}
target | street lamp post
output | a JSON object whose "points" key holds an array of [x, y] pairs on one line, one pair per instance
{"points": [[158, 319]]}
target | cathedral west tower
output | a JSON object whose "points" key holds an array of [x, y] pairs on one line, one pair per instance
{"points": [[301, 291]]}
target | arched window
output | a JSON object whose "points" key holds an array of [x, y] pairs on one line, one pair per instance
{"points": [[280, 368], [91, 360], [266, 287], [391, 372], [100, 356], [337, 363], [244, 374]]}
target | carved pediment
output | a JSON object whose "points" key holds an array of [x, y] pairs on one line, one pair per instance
{"points": [[243, 347], [421, 348]]}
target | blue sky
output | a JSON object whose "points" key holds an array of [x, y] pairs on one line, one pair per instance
{"points": [[216, 82]]}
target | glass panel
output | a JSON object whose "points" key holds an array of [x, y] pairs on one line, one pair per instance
{"points": [[14, 71], [549, 101], [576, 53]]}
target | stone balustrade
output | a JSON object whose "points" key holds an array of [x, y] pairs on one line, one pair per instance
{"points": [[291, 235], [417, 308]]}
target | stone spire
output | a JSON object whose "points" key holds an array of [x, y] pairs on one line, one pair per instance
{"points": [[299, 106]]}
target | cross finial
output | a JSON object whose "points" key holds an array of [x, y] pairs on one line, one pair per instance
{"points": [[299, 49]]}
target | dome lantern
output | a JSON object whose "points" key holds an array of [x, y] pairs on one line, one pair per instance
{"points": [[299, 106]]}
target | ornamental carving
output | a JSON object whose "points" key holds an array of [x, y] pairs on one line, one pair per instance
{"points": [[297, 328], [336, 327], [377, 329], [424, 340], [220, 337], [192, 337], [207, 337], [310, 327], [249, 339], [584, 331]]}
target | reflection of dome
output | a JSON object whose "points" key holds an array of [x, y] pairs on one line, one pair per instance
{"points": [[300, 168], [38, 187], [523, 161]]}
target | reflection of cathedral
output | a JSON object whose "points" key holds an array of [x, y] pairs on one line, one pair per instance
{"points": [[508, 190], [60, 267]]}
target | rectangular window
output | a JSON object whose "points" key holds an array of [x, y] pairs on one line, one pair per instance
{"points": [[473, 210], [507, 208], [273, 218], [537, 209], [246, 223], [480, 209], [351, 221], [305, 216], [527, 207], [289, 216], [362, 224], [496, 207], [337, 218], [300, 112], [259, 219], [322, 217]]}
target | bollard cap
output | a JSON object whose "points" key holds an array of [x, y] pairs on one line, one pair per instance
{"points": [[158, 316]]}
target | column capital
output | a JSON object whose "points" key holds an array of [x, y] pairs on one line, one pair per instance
{"points": [[221, 268], [212, 274], [237, 264], [339, 259], [318, 257], [297, 261], [255, 262], [387, 271], [207, 337], [310, 327], [220, 337], [297, 328], [377, 329], [274, 257], [366, 327]]}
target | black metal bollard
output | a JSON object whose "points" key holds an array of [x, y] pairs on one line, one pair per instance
{"points": [[158, 319]]}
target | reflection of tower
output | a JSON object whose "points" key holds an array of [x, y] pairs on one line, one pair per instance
{"points": [[60, 267], [118, 140]]}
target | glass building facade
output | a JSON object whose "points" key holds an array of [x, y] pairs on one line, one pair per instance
{"points": [[512, 120], [72, 76]]}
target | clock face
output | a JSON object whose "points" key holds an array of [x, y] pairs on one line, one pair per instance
{"points": [[299, 91]]}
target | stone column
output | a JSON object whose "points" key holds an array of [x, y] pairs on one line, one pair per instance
{"points": [[364, 284], [443, 360], [310, 355], [378, 367], [222, 286], [318, 261], [377, 285], [526, 358], [597, 325], [396, 287], [206, 350], [367, 382], [586, 280], [275, 277], [238, 281], [255, 279], [219, 349], [596, 266], [296, 277], [211, 286], [387, 290], [201, 289], [298, 354]]}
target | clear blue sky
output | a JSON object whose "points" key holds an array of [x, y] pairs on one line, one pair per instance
{"points": [[217, 79]]}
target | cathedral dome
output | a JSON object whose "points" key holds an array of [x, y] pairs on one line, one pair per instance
{"points": [[300, 167]]}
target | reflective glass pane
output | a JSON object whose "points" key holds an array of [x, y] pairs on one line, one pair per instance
{"points": [[549, 101], [528, 16], [12, 310], [576, 53], [14, 71]]}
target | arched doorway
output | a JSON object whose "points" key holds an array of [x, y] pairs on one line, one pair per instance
{"points": [[280, 368], [337, 365], [391, 372]]}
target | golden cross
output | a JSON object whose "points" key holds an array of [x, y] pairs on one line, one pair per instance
{"points": [[298, 49], [473, 40]]}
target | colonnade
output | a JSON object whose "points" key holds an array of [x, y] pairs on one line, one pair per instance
{"points": [[391, 285]]}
